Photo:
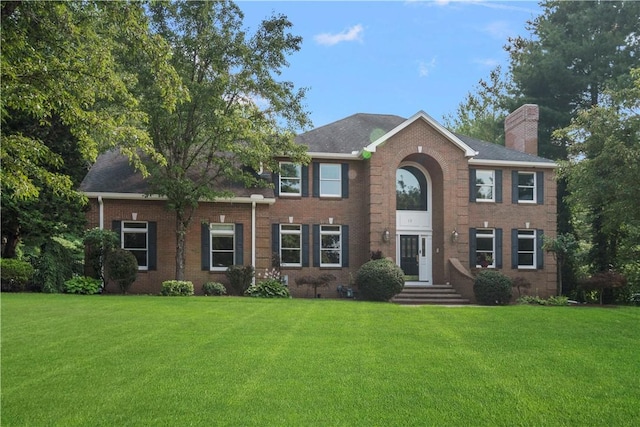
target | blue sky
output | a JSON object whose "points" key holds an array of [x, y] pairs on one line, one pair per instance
{"points": [[394, 57]]}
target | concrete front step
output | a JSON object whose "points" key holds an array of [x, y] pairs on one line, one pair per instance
{"points": [[435, 294]]}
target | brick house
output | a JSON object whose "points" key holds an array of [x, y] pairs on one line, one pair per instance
{"points": [[441, 205]]}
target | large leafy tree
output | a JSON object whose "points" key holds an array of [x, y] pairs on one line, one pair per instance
{"points": [[66, 95], [239, 117], [603, 172]]}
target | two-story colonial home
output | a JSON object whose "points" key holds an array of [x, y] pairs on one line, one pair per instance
{"points": [[441, 205]]}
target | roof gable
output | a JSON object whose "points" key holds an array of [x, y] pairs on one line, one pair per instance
{"points": [[421, 115]]}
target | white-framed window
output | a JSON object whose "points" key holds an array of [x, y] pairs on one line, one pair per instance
{"points": [[134, 236], [290, 179], [330, 180], [485, 186], [223, 246], [290, 245], [527, 187], [526, 249], [485, 248], [330, 246]]}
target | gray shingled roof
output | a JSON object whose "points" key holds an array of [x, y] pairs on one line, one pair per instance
{"points": [[490, 151], [112, 173], [359, 130], [349, 134]]}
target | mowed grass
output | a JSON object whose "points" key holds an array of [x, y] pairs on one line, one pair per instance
{"points": [[176, 361]]}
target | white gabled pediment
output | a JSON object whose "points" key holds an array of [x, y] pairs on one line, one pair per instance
{"points": [[421, 115]]}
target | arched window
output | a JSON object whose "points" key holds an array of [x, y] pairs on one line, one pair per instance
{"points": [[411, 189]]}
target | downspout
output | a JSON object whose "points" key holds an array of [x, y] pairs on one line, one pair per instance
{"points": [[253, 239], [101, 213]]}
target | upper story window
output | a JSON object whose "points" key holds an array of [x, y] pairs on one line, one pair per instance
{"points": [[330, 180], [526, 187], [222, 246], [485, 186], [290, 179], [411, 189], [134, 237]]}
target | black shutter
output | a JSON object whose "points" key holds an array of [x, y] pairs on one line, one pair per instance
{"points": [[275, 240], [116, 226], [539, 250], [514, 248], [472, 185], [316, 179], [345, 180], [472, 248], [498, 189], [515, 195], [239, 237], [540, 187], [205, 247], [276, 184], [345, 246], [305, 245], [153, 245], [316, 245], [498, 248], [304, 180]]}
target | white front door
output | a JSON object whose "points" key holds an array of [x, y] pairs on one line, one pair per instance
{"points": [[424, 263]]}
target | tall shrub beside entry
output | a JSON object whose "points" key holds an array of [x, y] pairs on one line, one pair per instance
{"points": [[379, 280], [15, 274], [176, 288], [240, 277], [121, 267], [492, 288]]}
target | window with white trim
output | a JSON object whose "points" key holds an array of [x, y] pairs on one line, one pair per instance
{"points": [[330, 246], [135, 238], [485, 185], [330, 180], [526, 187], [290, 245], [527, 249], [290, 179], [223, 248], [485, 248]]}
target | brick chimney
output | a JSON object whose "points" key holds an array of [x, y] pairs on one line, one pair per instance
{"points": [[521, 129]]}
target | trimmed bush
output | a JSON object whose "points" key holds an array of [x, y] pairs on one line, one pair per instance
{"points": [[240, 278], [82, 285], [270, 288], [214, 288], [121, 267], [14, 274], [176, 288], [492, 288], [379, 280]]}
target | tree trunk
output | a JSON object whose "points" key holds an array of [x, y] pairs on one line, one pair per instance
{"points": [[181, 240], [10, 240]]}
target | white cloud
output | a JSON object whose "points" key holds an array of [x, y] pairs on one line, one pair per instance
{"points": [[350, 34], [425, 67], [487, 62]]}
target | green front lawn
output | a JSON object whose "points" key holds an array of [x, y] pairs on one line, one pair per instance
{"points": [[149, 361]]}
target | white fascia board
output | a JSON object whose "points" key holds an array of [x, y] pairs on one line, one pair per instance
{"points": [[138, 196], [468, 152], [338, 156], [508, 163]]}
